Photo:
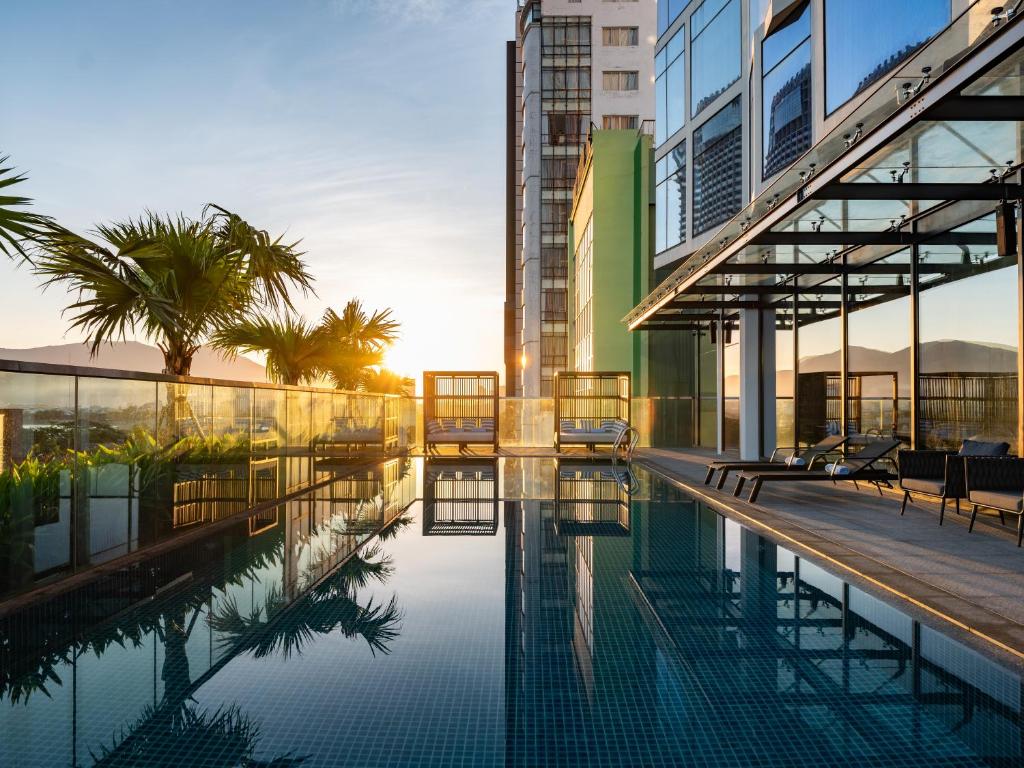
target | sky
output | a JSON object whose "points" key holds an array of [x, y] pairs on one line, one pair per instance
{"points": [[372, 130]]}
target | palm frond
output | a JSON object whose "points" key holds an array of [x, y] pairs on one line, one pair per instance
{"points": [[19, 229]]}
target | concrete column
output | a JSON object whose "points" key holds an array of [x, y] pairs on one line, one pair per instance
{"points": [[757, 383]]}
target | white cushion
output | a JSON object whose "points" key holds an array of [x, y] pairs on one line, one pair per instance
{"points": [[795, 461], [837, 469]]}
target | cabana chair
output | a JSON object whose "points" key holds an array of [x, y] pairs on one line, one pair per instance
{"points": [[940, 474], [996, 483], [795, 460], [857, 467]]}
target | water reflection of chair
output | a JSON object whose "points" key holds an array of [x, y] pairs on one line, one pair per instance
{"points": [[592, 499], [460, 497]]}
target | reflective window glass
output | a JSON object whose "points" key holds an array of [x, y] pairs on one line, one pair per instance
{"points": [[670, 85], [786, 121], [670, 199], [668, 11], [886, 34], [715, 51], [717, 168]]}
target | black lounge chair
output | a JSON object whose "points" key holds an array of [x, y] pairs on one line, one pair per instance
{"points": [[797, 459], [996, 483], [857, 467], [940, 474]]}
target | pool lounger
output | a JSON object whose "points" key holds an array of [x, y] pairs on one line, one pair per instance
{"points": [[804, 460], [858, 467]]}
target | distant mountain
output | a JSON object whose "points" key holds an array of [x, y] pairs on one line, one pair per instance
{"points": [[134, 356], [936, 357]]}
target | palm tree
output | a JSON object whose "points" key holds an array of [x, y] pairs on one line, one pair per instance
{"points": [[17, 227], [385, 382], [356, 341], [343, 348], [292, 347], [177, 280]]}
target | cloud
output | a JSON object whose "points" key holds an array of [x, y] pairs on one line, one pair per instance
{"points": [[416, 10]]}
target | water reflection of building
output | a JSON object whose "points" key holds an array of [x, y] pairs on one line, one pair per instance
{"points": [[693, 636]]}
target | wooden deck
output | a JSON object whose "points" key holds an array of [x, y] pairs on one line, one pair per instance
{"points": [[972, 584]]}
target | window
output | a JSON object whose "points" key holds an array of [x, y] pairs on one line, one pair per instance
{"points": [[564, 128], [886, 34], [718, 168], [620, 122], [564, 82], [669, 88], [715, 51], [565, 36], [621, 81], [553, 350], [583, 283], [670, 199], [786, 119], [668, 11], [620, 36], [553, 305], [553, 263]]}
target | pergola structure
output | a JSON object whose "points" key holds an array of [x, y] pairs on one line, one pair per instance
{"points": [[913, 190]]}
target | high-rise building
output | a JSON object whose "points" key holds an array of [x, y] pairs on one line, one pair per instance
{"points": [[575, 63], [807, 161], [610, 256]]}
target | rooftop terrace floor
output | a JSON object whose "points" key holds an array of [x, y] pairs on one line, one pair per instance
{"points": [[974, 581]]}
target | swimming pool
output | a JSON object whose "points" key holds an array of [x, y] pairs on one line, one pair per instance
{"points": [[517, 612]]}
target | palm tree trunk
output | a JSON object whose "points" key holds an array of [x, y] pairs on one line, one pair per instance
{"points": [[177, 358]]}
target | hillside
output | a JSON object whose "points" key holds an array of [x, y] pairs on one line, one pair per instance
{"points": [[135, 356], [936, 357]]}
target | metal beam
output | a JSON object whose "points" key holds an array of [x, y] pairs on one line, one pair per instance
{"points": [[917, 191], [989, 108], [885, 237], [837, 269], [674, 304], [784, 289]]}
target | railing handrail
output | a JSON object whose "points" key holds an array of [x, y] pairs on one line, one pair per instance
{"points": [[61, 369]]}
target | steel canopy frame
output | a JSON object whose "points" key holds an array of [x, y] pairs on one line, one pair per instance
{"points": [[826, 183]]}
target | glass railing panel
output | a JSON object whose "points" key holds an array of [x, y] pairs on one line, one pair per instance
{"points": [[37, 426], [270, 417], [116, 441], [300, 431]]}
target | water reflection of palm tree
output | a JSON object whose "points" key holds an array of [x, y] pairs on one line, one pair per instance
{"points": [[330, 606], [176, 731]]}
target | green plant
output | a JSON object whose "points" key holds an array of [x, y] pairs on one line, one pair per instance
{"points": [[176, 280], [18, 227], [342, 348], [293, 348]]}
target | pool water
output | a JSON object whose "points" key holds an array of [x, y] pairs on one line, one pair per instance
{"points": [[520, 612]]}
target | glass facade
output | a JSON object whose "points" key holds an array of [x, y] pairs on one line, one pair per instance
{"points": [[886, 34], [786, 94], [670, 199], [566, 116], [668, 12], [670, 87], [583, 286], [715, 51], [968, 347], [718, 168]]}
